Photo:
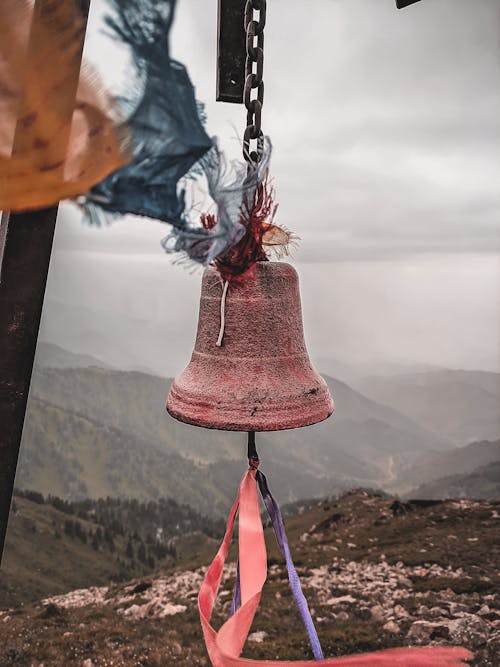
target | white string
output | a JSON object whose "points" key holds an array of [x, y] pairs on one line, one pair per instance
{"points": [[222, 314]]}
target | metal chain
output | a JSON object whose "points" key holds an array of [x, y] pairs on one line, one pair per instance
{"points": [[254, 29]]}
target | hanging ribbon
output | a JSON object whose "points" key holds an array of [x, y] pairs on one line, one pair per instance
{"points": [[224, 647], [279, 531]]}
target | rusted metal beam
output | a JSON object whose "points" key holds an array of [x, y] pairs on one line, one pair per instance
{"points": [[24, 273], [231, 50], [401, 4], [25, 248]]}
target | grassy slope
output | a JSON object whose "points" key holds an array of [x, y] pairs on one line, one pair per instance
{"points": [[445, 534], [36, 563], [41, 559]]}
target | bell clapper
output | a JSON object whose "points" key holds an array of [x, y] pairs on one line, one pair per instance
{"points": [[222, 313]]}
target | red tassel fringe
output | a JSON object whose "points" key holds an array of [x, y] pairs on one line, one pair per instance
{"points": [[257, 220]]}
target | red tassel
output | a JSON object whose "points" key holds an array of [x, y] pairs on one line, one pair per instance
{"points": [[259, 233]]}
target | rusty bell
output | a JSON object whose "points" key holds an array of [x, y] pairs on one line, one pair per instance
{"points": [[250, 370]]}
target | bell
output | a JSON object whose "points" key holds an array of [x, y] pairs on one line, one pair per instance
{"points": [[250, 370]]}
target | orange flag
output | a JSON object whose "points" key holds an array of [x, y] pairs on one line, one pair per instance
{"points": [[59, 133]]}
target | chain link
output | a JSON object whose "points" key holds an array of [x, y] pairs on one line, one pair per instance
{"points": [[254, 28]]}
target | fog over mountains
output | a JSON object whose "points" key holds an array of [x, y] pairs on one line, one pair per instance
{"points": [[94, 431]]}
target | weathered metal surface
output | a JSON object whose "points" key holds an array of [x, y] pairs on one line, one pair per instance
{"points": [[254, 29], [401, 4], [258, 382], [27, 244], [231, 50], [251, 448], [24, 274]]}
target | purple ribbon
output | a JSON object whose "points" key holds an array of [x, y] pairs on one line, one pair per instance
{"points": [[279, 531], [236, 602]]}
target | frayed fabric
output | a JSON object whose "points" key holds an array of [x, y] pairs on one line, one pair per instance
{"points": [[162, 118], [233, 192], [60, 132]]}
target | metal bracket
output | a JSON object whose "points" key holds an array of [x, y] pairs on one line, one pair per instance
{"points": [[231, 50], [401, 4]]}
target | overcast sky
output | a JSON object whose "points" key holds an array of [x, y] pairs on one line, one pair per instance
{"points": [[386, 134]]}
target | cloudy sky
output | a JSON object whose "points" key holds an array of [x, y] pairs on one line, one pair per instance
{"points": [[386, 134]]}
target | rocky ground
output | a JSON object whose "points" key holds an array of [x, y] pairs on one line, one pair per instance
{"points": [[377, 572]]}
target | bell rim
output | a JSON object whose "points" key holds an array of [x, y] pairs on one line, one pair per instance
{"points": [[245, 427], [277, 415]]}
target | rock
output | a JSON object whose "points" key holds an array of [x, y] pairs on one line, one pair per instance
{"points": [[437, 612], [401, 612], [456, 609], [80, 598], [342, 616], [422, 632], [377, 612], [392, 627], [470, 630], [257, 637], [343, 599], [153, 609], [51, 610], [87, 663], [141, 587]]}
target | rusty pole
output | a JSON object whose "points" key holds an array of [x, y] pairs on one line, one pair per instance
{"points": [[25, 248]]}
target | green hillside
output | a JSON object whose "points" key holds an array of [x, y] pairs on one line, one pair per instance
{"points": [[54, 546]]}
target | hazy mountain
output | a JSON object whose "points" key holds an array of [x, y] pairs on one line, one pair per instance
{"points": [[96, 432], [353, 373], [462, 406], [54, 356], [134, 403], [363, 439], [461, 461], [73, 456], [483, 482]]}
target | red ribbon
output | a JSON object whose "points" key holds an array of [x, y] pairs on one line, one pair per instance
{"points": [[224, 647]]}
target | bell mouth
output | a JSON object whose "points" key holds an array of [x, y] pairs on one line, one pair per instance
{"points": [[260, 377], [243, 406]]}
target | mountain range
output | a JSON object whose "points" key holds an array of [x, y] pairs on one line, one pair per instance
{"points": [[93, 431], [458, 405], [482, 482]]}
